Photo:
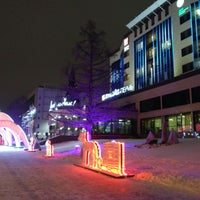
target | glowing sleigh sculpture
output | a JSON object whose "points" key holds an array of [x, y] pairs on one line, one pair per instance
{"points": [[111, 163]]}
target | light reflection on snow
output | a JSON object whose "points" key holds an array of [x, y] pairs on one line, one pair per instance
{"points": [[8, 148]]}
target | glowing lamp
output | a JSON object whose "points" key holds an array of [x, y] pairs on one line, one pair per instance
{"points": [[179, 3], [49, 149]]}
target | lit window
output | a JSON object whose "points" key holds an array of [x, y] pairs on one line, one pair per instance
{"points": [[126, 42]]}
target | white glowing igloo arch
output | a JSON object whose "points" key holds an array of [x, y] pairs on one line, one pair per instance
{"points": [[10, 130]]}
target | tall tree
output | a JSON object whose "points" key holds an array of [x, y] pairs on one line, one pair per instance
{"points": [[88, 79]]}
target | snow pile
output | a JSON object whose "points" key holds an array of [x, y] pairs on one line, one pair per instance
{"points": [[176, 165]]}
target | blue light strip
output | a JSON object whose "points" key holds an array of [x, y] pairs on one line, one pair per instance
{"points": [[162, 64], [195, 20]]}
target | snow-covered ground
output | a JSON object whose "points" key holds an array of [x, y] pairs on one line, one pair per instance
{"points": [[163, 172]]}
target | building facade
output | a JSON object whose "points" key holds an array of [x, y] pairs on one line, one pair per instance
{"points": [[157, 68], [36, 119]]}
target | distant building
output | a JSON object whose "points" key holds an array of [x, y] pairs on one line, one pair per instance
{"points": [[157, 68], [36, 119]]}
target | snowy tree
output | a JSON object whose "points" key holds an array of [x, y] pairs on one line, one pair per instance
{"points": [[88, 79]]}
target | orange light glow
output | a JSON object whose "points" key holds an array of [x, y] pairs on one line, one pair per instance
{"points": [[49, 148], [113, 160], [91, 152]]}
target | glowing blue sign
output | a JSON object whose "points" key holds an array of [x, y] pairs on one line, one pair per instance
{"points": [[182, 11], [117, 92]]}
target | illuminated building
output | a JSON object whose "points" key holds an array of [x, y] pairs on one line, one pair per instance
{"points": [[36, 119], [47, 111], [61, 119], [159, 59]]}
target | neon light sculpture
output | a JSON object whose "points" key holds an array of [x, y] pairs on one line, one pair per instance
{"points": [[8, 129], [1, 141], [31, 144], [91, 152], [49, 148], [113, 160], [6, 136]]}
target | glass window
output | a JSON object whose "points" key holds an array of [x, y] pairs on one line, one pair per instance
{"points": [[186, 34], [187, 50], [150, 104], [153, 56], [117, 127], [196, 94], [195, 9], [185, 18], [181, 122], [197, 121], [176, 99], [187, 67], [126, 53], [126, 65], [153, 124]]}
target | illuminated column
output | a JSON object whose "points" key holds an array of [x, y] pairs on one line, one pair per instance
{"points": [[31, 144], [49, 149], [7, 137]]}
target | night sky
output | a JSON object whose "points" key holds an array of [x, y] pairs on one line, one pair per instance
{"points": [[37, 37]]}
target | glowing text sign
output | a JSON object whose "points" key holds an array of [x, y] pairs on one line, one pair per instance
{"points": [[182, 11], [54, 105], [117, 92]]}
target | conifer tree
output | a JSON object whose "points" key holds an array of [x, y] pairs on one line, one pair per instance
{"points": [[88, 79]]}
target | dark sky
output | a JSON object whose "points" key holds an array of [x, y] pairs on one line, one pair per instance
{"points": [[37, 37]]}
